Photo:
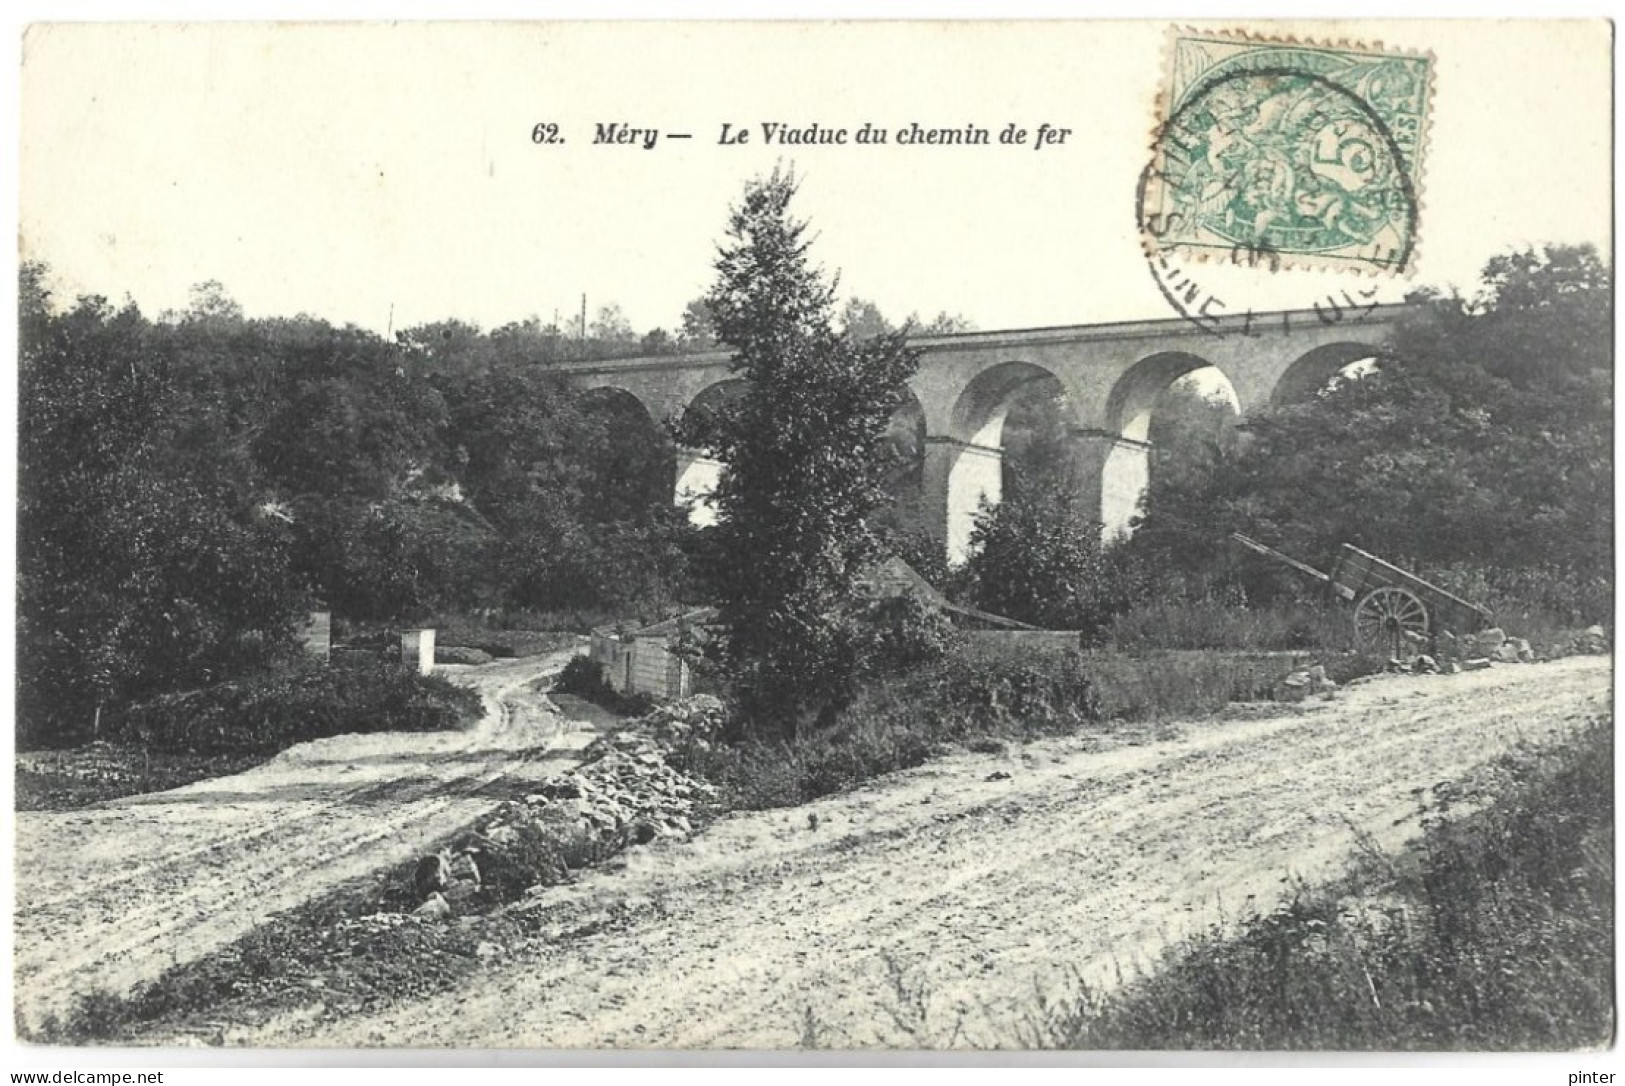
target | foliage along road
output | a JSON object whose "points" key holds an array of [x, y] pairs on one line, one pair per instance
{"points": [[928, 909]]}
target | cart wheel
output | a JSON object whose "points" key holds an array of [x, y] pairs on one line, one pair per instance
{"points": [[1388, 617]]}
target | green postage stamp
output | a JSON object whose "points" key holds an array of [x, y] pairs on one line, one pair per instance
{"points": [[1288, 153]]}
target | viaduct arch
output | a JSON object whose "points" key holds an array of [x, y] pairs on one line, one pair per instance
{"points": [[1109, 377]]}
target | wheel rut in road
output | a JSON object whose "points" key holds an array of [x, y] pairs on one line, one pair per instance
{"points": [[112, 895], [929, 908]]}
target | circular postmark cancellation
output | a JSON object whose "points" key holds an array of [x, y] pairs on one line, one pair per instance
{"points": [[1272, 155]]}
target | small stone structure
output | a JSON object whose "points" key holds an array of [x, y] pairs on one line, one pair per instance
{"points": [[417, 650], [317, 634], [642, 661]]}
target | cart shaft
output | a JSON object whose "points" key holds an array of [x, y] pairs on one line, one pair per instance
{"points": [[1270, 552]]}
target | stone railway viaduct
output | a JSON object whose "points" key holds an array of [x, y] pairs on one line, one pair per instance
{"points": [[1110, 375]]}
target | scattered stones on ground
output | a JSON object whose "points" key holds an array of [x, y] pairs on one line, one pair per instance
{"points": [[371, 923], [1301, 684], [1591, 640], [1488, 648], [1514, 650], [623, 793], [435, 906], [1295, 687]]}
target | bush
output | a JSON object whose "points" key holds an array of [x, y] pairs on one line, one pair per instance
{"points": [[276, 709], [581, 620], [461, 631], [907, 633], [586, 678], [898, 723], [489, 632], [1536, 603], [983, 695], [1014, 691], [1036, 557]]}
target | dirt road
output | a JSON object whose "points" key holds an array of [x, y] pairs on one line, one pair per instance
{"points": [[112, 895], [927, 909]]}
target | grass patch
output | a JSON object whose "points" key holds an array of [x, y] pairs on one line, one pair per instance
{"points": [[177, 739], [64, 780], [1227, 625], [984, 696], [1541, 605], [1494, 932], [269, 712], [1184, 685], [1545, 607]]}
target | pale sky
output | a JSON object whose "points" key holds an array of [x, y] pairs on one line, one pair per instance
{"points": [[343, 170]]}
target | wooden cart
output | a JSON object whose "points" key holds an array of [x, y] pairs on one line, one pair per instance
{"points": [[1391, 606]]}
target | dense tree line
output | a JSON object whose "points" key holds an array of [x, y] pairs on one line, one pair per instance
{"points": [[189, 486], [1476, 450], [1482, 437]]}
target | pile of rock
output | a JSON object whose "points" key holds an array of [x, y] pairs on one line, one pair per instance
{"points": [[1488, 648], [371, 924], [623, 793], [1473, 652], [1301, 684], [625, 785], [1593, 640], [1423, 664], [447, 879]]}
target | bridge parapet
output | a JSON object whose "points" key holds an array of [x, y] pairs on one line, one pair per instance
{"points": [[1111, 375]]}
